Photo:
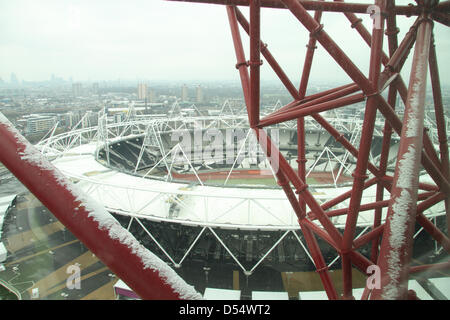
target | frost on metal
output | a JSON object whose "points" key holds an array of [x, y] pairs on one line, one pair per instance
{"points": [[399, 221], [105, 220], [398, 224], [402, 206], [414, 99], [406, 168], [149, 260]]}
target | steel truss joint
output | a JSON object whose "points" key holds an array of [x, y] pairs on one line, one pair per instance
{"points": [[240, 64], [254, 63], [359, 176], [316, 31], [356, 22], [322, 270], [301, 189]]}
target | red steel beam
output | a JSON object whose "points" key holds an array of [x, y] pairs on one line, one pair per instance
{"points": [[344, 196], [393, 67], [332, 234], [334, 93], [440, 122], [375, 205], [326, 92], [300, 104], [395, 122], [329, 45], [277, 162], [299, 185], [391, 32], [293, 177], [288, 84], [319, 262], [398, 53], [363, 156], [268, 56], [282, 179], [396, 246], [375, 233], [371, 88], [255, 61], [394, 64], [441, 17], [241, 64], [312, 5], [443, 6], [140, 269], [301, 135], [434, 232], [430, 267], [301, 111]]}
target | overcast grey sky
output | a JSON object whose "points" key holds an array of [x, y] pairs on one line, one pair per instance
{"points": [[161, 40]]}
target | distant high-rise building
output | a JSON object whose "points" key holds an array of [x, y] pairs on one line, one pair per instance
{"points": [[184, 93], [199, 94], [151, 95], [38, 123], [95, 88], [142, 91], [77, 89], [14, 79]]}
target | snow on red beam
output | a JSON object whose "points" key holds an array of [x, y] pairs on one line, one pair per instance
{"points": [[140, 269]]}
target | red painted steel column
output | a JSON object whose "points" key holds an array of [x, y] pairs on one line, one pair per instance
{"points": [[241, 64], [396, 246], [301, 156], [301, 137], [268, 56], [114, 246], [321, 267], [329, 45], [391, 32], [284, 171], [255, 61], [427, 163], [363, 154], [440, 123]]}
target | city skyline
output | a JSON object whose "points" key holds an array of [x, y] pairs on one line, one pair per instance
{"points": [[162, 40]]}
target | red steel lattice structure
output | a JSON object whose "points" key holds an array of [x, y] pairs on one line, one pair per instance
{"points": [[391, 240], [406, 205]]}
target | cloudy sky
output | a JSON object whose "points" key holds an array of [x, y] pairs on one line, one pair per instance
{"points": [[160, 40]]}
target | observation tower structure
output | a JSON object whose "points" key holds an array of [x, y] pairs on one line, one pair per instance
{"points": [[391, 240], [401, 198]]}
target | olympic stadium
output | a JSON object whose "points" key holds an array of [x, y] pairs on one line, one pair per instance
{"points": [[199, 192]]}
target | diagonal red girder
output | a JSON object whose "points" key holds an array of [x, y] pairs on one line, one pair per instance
{"points": [[384, 73]]}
